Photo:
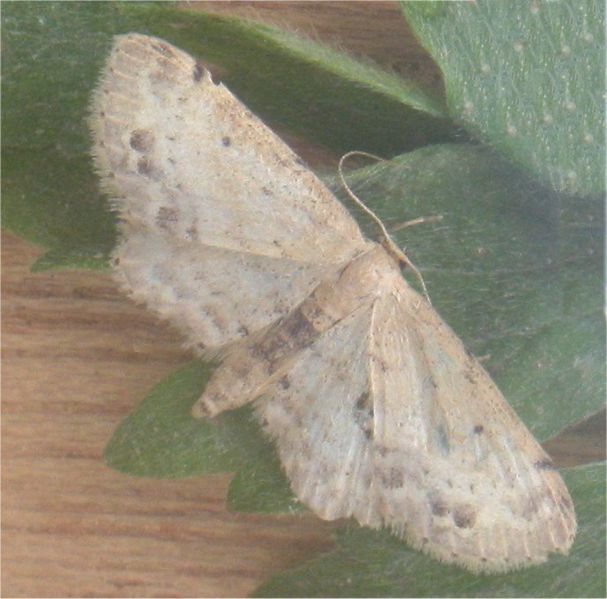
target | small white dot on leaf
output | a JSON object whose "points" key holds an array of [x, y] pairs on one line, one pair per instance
{"points": [[571, 176], [468, 108]]}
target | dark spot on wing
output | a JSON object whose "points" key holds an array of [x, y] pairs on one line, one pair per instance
{"points": [[438, 506], [284, 382], [478, 429], [430, 381], [393, 478], [382, 451], [292, 334], [226, 141], [362, 403], [443, 440], [142, 140], [470, 376], [144, 166], [197, 72], [379, 362], [166, 216], [363, 414], [464, 516], [243, 331], [192, 233], [299, 326]]}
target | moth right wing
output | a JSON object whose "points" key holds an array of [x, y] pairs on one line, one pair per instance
{"points": [[198, 179], [456, 471], [386, 418]]}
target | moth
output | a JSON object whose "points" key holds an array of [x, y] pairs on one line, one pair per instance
{"points": [[376, 409]]}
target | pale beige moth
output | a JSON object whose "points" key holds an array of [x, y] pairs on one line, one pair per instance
{"points": [[376, 409]]}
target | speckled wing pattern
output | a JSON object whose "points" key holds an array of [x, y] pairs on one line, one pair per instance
{"points": [[375, 407], [199, 183], [484, 492]]}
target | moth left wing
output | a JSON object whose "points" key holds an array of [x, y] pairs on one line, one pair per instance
{"points": [[181, 155], [223, 229], [213, 295], [319, 415]]}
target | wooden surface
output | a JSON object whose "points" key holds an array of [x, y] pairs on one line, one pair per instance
{"points": [[77, 357]]}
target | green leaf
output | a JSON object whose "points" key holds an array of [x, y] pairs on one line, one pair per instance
{"points": [[53, 53], [375, 564], [527, 78], [260, 486], [160, 438], [53, 201]]}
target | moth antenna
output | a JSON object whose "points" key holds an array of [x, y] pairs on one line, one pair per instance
{"points": [[387, 241]]}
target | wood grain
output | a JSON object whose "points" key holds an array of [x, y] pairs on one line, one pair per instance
{"points": [[77, 357]]}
